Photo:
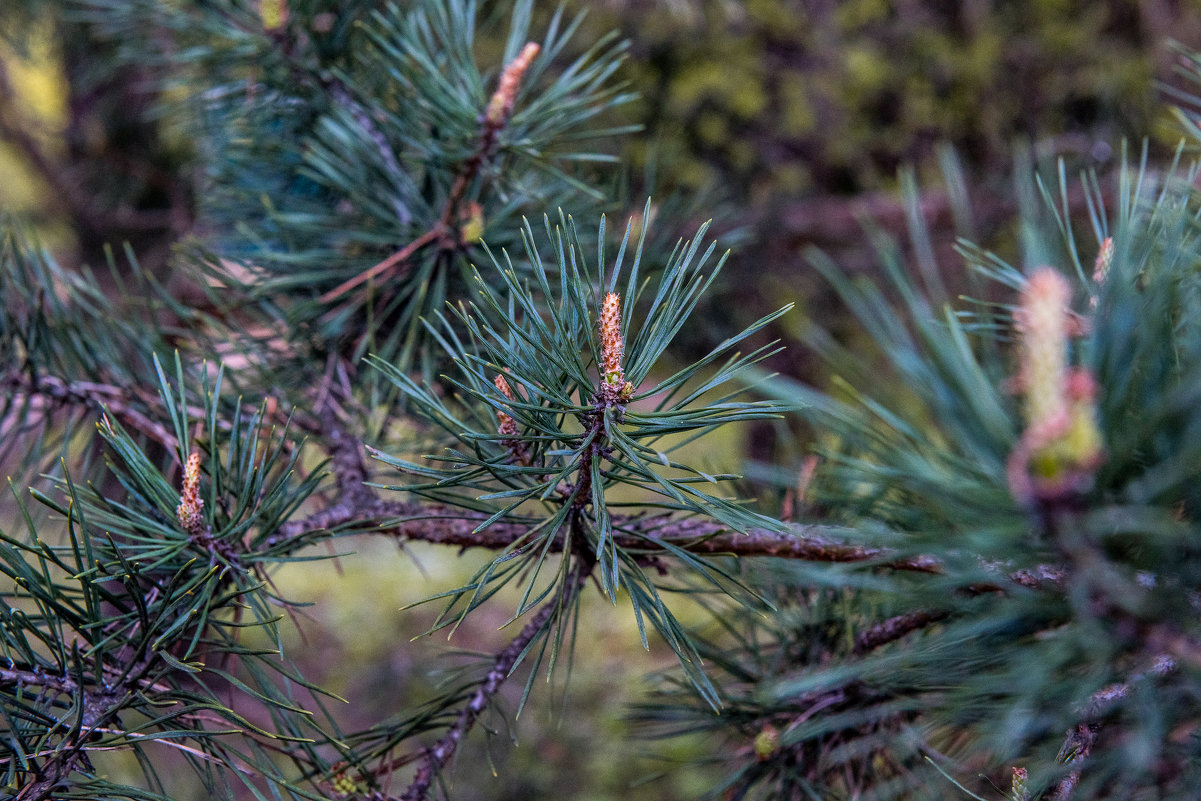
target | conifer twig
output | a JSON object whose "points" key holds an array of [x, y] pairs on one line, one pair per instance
{"points": [[495, 118], [455, 527], [1079, 741], [893, 629], [400, 257], [97, 396], [436, 757]]}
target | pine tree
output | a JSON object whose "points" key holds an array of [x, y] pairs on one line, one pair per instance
{"points": [[402, 312]]}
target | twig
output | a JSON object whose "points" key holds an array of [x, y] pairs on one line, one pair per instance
{"points": [[1079, 741], [436, 758], [101, 705], [399, 257], [495, 118], [96, 396], [121, 402], [455, 527], [894, 629]]}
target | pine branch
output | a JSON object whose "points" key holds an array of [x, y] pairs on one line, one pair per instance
{"points": [[394, 266], [445, 232], [894, 629], [496, 117], [1079, 741], [132, 405], [121, 685], [442, 525], [95, 708], [122, 402], [436, 758]]}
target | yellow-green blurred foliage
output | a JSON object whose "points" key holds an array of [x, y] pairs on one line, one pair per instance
{"points": [[38, 104], [786, 97]]}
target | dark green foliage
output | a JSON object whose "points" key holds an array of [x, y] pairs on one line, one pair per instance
{"points": [[572, 444], [124, 636], [341, 137], [1055, 624], [988, 558]]}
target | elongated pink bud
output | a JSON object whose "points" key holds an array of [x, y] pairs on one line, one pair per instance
{"points": [[501, 104], [614, 387], [1043, 325], [191, 505], [506, 425], [1104, 259], [1061, 445]]}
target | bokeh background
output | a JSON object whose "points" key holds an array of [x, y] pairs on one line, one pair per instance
{"points": [[790, 122]]}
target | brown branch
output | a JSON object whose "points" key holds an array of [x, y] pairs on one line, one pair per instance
{"points": [[399, 257], [1079, 741], [95, 710], [436, 758], [121, 402], [36, 678], [95, 396], [101, 705], [894, 629], [443, 525]]}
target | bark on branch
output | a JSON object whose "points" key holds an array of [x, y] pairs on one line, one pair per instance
{"points": [[436, 757], [646, 535]]}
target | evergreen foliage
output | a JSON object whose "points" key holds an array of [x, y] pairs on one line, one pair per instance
{"points": [[1051, 628], [983, 582]]}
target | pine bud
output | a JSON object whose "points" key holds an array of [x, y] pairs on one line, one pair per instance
{"points": [[191, 505], [614, 387], [767, 743], [507, 426], [471, 223], [501, 104], [1061, 444], [346, 783], [1104, 259], [1101, 267], [1018, 790], [274, 14], [1043, 324], [1081, 441]]}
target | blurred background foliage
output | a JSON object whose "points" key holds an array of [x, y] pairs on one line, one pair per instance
{"points": [[782, 108], [791, 118]]}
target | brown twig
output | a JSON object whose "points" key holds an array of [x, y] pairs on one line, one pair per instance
{"points": [[121, 402], [444, 232], [442, 525], [100, 705], [96, 396], [1079, 741], [399, 257], [436, 757], [894, 629]]}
